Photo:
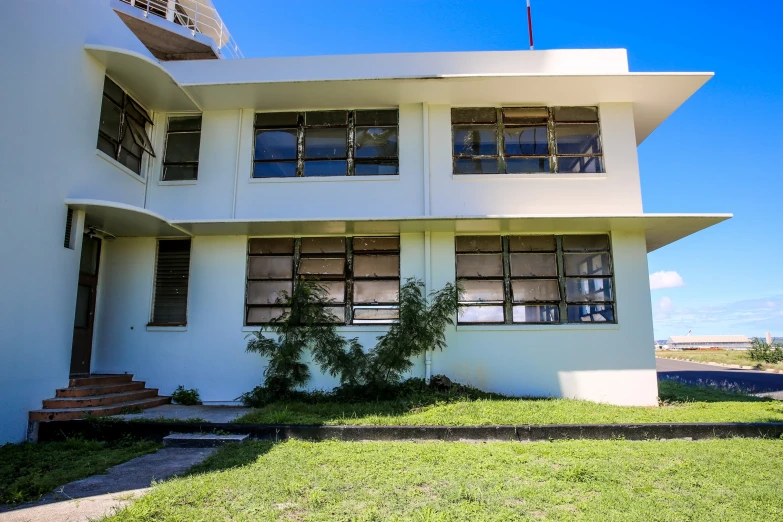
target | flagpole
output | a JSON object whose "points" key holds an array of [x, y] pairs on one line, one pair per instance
{"points": [[529, 25]]}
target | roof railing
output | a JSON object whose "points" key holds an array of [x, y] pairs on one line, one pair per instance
{"points": [[195, 15]]}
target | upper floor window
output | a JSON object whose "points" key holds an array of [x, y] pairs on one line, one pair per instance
{"points": [[326, 143], [522, 140], [122, 133], [183, 140]]}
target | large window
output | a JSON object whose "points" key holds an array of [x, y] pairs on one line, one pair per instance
{"points": [[122, 133], [172, 273], [326, 143], [183, 141], [361, 275], [535, 279], [521, 140]]}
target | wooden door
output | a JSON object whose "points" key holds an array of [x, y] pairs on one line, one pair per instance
{"points": [[81, 350]]}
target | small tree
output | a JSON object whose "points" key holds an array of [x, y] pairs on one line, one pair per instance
{"points": [[760, 351]]}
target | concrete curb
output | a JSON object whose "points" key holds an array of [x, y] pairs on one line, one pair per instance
{"points": [[526, 433]]}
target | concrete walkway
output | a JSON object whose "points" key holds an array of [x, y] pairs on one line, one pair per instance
{"points": [[176, 411], [104, 494]]}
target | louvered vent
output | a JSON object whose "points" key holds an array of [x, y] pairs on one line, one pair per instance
{"points": [[68, 228], [171, 282]]}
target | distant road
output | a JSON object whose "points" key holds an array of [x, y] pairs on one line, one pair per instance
{"points": [[752, 380]]}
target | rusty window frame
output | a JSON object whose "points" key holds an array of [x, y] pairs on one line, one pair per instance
{"points": [[169, 132], [502, 156], [348, 275], [302, 125], [563, 302]]}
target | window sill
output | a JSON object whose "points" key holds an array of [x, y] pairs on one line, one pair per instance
{"points": [[324, 179], [119, 166], [536, 327], [356, 328], [551, 176], [173, 328], [177, 183]]}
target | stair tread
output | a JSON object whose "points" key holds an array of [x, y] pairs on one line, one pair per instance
{"points": [[103, 396], [94, 386], [128, 404]]}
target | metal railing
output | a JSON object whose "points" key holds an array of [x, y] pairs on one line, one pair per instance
{"points": [[195, 15]]}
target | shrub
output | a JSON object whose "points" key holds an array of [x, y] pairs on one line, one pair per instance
{"points": [[760, 351], [186, 397]]}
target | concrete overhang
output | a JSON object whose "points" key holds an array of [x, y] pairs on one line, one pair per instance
{"points": [[144, 78], [121, 220]]}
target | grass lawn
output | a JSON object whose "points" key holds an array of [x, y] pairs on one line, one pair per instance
{"points": [[735, 480], [718, 356], [679, 403], [28, 471]]}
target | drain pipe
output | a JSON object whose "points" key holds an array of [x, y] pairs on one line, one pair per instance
{"points": [[425, 136]]}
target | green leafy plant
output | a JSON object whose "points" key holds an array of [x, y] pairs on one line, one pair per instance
{"points": [[186, 397], [760, 351]]}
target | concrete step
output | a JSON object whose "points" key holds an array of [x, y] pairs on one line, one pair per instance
{"points": [[201, 440], [100, 400], [100, 380], [102, 389], [62, 414]]}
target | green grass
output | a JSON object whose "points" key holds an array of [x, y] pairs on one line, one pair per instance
{"points": [[735, 480], [679, 403], [737, 357], [28, 471]]}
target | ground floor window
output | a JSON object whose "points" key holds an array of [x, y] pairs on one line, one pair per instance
{"points": [[172, 273], [361, 275], [535, 279]]}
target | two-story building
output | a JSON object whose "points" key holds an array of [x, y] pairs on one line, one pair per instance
{"points": [[156, 203]]}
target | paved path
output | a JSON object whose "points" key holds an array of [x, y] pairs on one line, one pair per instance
{"points": [[770, 384], [104, 494], [176, 411]]}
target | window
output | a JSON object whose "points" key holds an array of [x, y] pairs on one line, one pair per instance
{"points": [[326, 143], [183, 139], [361, 275], [522, 140], [68, 229], [535, 279], [172, 273], [122, 132]]}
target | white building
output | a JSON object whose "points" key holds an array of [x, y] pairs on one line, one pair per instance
{"points": [[516, 172], [705, 342]]}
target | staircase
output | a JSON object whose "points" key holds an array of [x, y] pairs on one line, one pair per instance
{"points": [[99, 396]]}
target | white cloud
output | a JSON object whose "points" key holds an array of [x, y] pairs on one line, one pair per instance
{"points": [[665, 279], [664, 306]]}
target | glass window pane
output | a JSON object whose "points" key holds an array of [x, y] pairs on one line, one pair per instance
{"points": [[326, 168], [110, 119], [106, 146], [590, 313], [322, 245], [322, 266], [271, 267], [130, 161], [533, 265], [513, 115], [262, 315], [275, 144], [376, 266], [326, 143], [377, 117], [335, 290], [337, 313], [532, 243], [478, 244], [185, 123], [376, 243], [479, 265], [112, 90], [182, 147], [128, 143], [281, 245], [480, 314], [475, 140], [528, 290], [588, 164], [531, 141], [587, 264], [475, 166], [180, 172], [536, 314], [577, 138], [480, 115], [380, 168], [366, 315], [326, 118], [274, 169], [576, 114], [376, 142], [526, 165], [267, 292], [481, 291], [597, 290], [586, 242], [376, 292], [277, 119]]}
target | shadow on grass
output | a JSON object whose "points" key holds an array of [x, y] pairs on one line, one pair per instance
{"points": [[232, 456]]}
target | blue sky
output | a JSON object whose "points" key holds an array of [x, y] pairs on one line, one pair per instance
{"points": [[720, 152]]}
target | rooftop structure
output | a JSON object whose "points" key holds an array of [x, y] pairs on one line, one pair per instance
{"points": [[701, 342]]}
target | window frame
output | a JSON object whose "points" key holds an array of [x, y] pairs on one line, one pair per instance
{"points": [[562, 278], [152, 322], [163, 161]]}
